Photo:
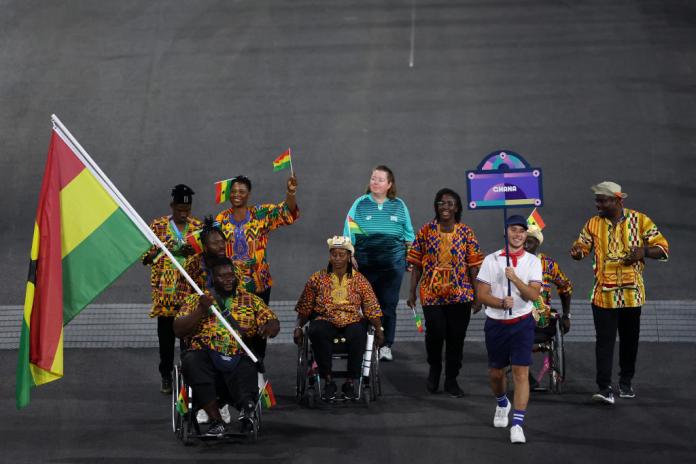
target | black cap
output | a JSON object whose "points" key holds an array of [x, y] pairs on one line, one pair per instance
{"points": [[182, 194], [516, 220]]}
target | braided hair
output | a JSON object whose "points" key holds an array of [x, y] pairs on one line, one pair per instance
{"points": [[210, 227]]}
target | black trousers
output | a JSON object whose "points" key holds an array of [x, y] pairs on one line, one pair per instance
{"points": [[607, 322], [167, 343], [446, 325], [322, 334], [239, 386]]}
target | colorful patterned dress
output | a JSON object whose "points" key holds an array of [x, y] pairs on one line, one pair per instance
{"points": [[247, 240], [445, 259]]}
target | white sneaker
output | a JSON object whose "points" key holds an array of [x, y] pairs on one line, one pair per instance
{"points": [[202, 417], [385, 354], [517, 434], [501, 415], [225, 413]]}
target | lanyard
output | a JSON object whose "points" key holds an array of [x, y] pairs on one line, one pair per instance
{"points": [[176, 230]]}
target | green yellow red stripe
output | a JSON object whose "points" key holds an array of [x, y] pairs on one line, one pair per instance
{"points": [[82, 242]]}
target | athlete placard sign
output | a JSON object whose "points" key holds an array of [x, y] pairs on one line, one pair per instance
{"points": [[504, 179]]}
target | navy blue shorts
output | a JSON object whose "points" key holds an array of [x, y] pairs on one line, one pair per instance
{"points": [[509, 343]]}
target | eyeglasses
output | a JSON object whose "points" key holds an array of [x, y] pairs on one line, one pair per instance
{"points": [[448, 203]]}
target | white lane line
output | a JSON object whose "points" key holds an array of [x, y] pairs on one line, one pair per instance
{"points": [[411, 58]]}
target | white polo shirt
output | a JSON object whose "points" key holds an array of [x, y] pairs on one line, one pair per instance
{"points": [[492, 272]]}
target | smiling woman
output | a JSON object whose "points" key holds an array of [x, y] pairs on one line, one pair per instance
{"points": [[380, 226], [246, 230], [445, 257]]}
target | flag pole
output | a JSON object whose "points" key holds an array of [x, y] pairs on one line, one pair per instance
{"points": [[82, 154], [292, 172], [507, 254]]}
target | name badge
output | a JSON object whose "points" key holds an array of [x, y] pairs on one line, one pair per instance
{"points": [[367, 218], [394, 218]]}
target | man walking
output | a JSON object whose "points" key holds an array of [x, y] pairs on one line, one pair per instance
{"points": [[509, 326], [621, 239]]}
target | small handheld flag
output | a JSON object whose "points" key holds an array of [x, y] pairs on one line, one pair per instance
{"points": [[222, 190], [355, 229], [284, 161], [419, 321], [182, 401], [534, 219], [194, 240], [267, 396]]}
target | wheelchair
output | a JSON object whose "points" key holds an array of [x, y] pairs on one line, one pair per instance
{"points": [[549, 340], [186, 427], [308, 387]]}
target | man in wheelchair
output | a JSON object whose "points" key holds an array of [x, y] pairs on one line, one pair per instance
{"points": [[213, 356], [546, 318], [338, 302]]}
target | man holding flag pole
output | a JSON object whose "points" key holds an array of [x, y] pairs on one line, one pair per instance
{"points": [[168, 288], [73, 261], [214, 353]]}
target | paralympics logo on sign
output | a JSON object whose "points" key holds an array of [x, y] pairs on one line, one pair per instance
{"points": [[504, 180]]}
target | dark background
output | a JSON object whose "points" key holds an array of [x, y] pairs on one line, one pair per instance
{"points": [[166, 92]]}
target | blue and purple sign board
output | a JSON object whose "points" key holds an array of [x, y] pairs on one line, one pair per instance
{"points": [[504, 180]]}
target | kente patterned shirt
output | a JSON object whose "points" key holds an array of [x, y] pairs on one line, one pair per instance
{"points": [[247, 309], [616, 285], [169, 288], [341, 303], [247, 240], [444, 259], [553, 275]]}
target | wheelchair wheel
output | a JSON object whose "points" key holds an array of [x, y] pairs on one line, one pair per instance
{"points": [[177, 419], [372, 387], [367, 395], [311, 397], [376, 381], [253, 434], [558, 366], [302, 368]]}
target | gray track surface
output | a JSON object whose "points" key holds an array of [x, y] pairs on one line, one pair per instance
{"points": [[167, 92], [108, 409]]}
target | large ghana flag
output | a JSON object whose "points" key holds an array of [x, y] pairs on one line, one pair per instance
{"points": [[83, 241]]}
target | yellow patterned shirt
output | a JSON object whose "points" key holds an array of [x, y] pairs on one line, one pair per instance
{"points": [[247, 309], [169, 288], [617, 285], [341, 303]]}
